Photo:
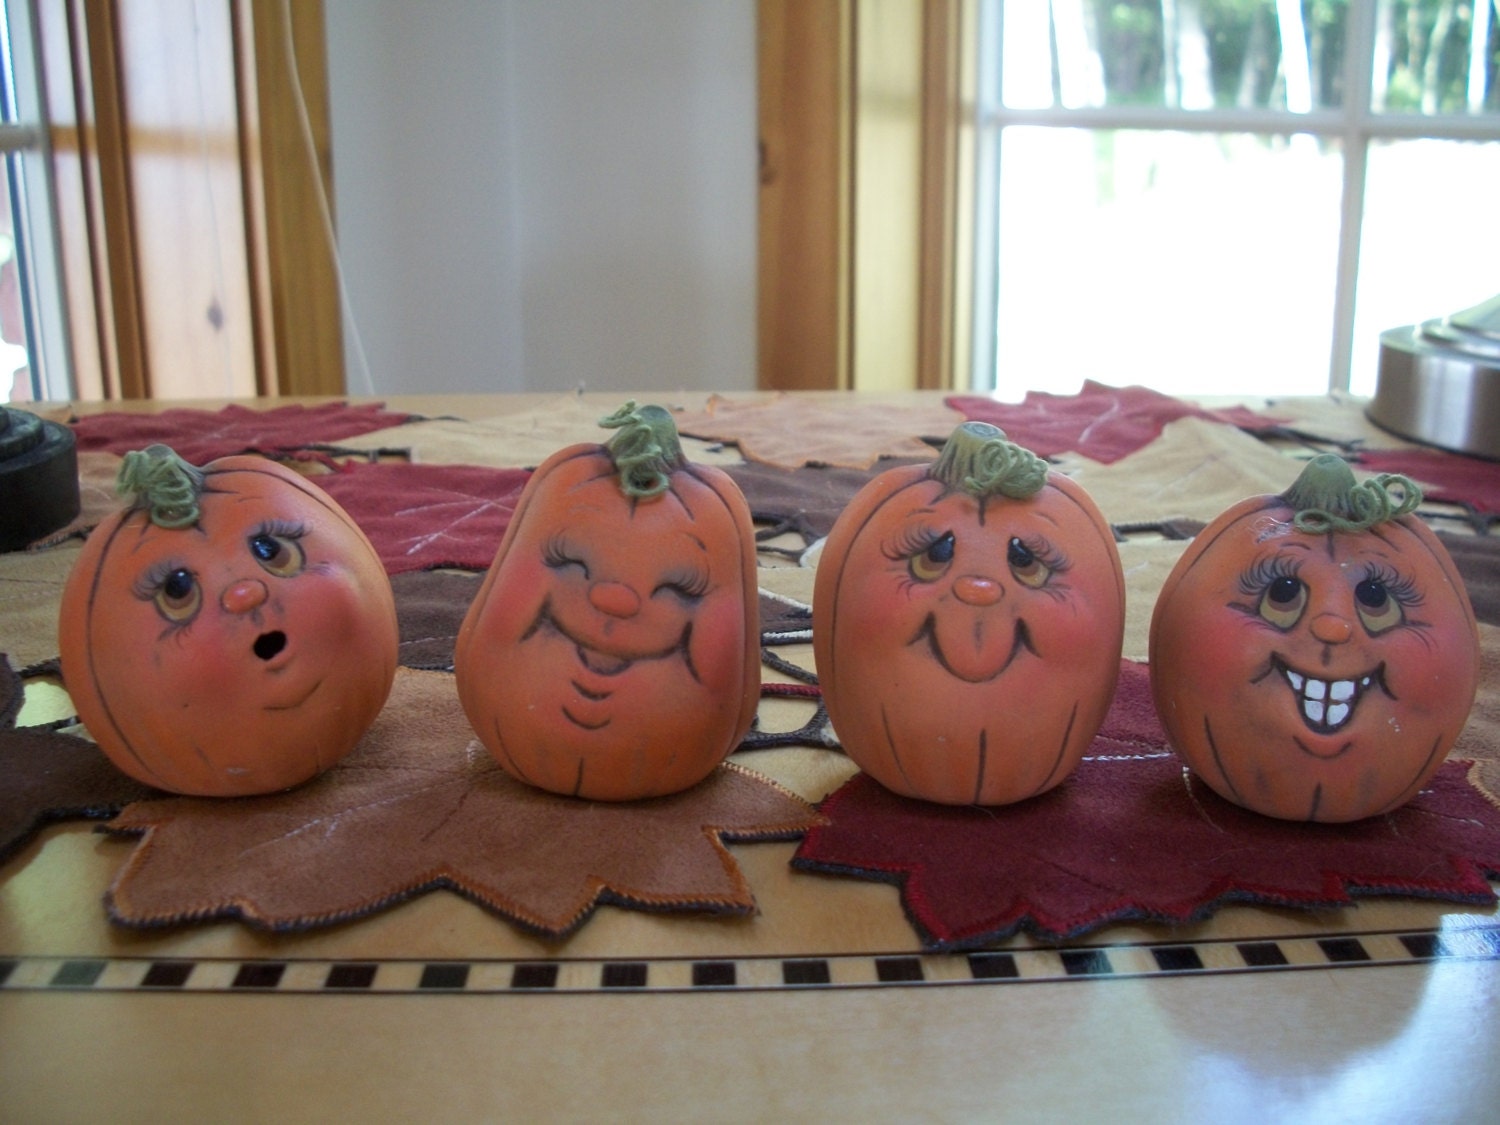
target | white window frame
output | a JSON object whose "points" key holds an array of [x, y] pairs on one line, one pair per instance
{"points": [[1356, 125]]}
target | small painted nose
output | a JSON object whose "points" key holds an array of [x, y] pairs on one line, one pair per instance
{"points": [[245, 596], [615, 599], [977, 590], [1331, 629]]}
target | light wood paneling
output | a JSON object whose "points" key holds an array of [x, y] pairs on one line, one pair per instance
{"points": [[803, 62], [866, 135]]}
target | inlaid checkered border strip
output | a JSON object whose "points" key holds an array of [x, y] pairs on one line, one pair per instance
{"points": [[566, 976]]}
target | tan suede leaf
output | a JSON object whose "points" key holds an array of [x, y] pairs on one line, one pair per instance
{"points": [[793, 432], [419, 805]]}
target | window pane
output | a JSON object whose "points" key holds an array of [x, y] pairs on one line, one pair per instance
{"points": [[1195, 263], [1437, 56], [1187, 54], [15, 362], [1430, 241]]}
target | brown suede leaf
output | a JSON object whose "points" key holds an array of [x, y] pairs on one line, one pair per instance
{"points": [[419, 805], [46, 777], [792, 432]]}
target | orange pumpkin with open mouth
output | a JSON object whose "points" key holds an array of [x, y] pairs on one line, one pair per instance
{"points": [[230, 632], [613, 649], [1314, 654], [968, 618]]}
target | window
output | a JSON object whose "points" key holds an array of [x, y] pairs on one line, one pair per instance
{"points": [[1229, 196], [33, 335]]}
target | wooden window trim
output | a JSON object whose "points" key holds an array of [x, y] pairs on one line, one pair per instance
{"points": [[141, 291], [865, 213]]}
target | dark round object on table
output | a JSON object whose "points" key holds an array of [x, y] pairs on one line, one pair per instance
{"points": [[38, 478]]}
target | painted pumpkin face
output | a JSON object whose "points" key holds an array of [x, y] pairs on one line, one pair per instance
{"points": [[613, 650], [1310, 673], [243, 653], [968, 645]]}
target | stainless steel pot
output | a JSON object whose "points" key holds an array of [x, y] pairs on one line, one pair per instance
{"points": [[1439, 381]]}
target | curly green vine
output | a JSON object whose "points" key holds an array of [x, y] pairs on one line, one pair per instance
{"points": [[162, 483], [645, 448], [979, 459], [1326, 497]]}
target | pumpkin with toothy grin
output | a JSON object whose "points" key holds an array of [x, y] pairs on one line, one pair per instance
{"points": [[1313, 654]]}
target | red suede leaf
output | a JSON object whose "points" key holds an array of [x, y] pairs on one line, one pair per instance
{"points": [[200, 436], [1102, 423], [424, 516], [1132, 836], [1446, 478], [419, 806]]}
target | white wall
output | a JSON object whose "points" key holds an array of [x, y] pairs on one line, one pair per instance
{"points": [[537, 194]]}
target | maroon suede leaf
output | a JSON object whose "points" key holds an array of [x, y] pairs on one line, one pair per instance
{"points": [[418, 806], [1102, 423], [200, 436], [425, 516], [1131, 835], [805, 500], [47, 777]]}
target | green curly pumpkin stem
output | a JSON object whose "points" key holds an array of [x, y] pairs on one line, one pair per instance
{"points": [[645, 449], [163, 484], [1327, 498], [979, 459]]}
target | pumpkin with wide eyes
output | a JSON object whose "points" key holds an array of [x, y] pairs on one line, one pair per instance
{"points": [[230, 632], [968, 619], [613, 650], [1314, 654]]}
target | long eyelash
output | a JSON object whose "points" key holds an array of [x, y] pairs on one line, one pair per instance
{"points": [[1400, 586], [912, 541], [148, 585], [555, 555], [1046, 554], [690, 584], [1259, 576], [284, 529]]}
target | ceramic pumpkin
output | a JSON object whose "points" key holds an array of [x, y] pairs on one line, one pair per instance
{"points": [[613, 650], [230, 632], [968, 618], [1314, 654]]}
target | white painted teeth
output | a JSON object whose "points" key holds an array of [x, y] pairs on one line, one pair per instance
{"points": [[1326, 703]]}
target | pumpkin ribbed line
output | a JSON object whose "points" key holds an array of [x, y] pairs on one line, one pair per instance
{"points": [[163, 484], [645, 449], [1326, 497], [979, 459]]}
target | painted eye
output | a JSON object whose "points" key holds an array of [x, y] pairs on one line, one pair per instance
{"points": [[1283, 602], [1378, 609], [1029, 570], [690, 587], [179, 596], [280, 555], [556, 556], [931, 564]]}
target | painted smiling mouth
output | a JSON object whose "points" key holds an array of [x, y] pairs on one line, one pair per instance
{"points": [[602, 663], [1020, 642], [1326, 706]]}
